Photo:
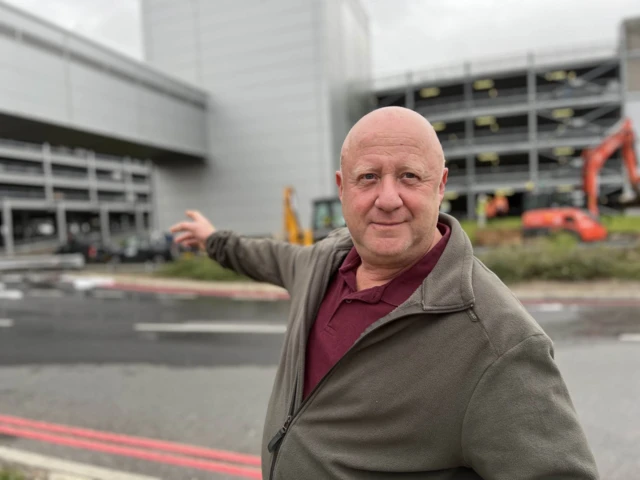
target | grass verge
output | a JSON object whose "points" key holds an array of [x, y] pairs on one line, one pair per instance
{"points": [[8, 474], [562, 259]]}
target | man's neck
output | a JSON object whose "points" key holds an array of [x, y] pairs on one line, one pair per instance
{"points": [[373, 275]]}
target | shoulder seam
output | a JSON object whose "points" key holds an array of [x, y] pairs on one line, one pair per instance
{"points": [[466, 411]]}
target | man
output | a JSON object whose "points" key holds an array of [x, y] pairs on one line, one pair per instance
{"points": [[404, 357]]}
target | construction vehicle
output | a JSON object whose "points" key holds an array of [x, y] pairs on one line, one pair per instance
{"points": [[326, 214], [594, 159], [294, 233], [555, 213], [497, 206]]}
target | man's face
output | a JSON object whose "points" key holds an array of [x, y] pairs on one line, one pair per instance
{"points": [[391, 185]]}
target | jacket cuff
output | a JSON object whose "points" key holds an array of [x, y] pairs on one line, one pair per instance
{"points": [[216, 241]]}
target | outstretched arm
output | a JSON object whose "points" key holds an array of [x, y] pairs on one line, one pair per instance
{"points": [[262, 259]]}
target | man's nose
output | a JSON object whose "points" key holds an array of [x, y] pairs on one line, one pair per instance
{"points": [[388, 198]]}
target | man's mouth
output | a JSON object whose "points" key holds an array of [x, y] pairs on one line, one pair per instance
{"points": [[387, 224]]}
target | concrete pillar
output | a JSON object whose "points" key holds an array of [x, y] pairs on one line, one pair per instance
{"points": [[139, 220], [124, 222], [93, 178], [48, 174], [152, 204], [470, 159], [409, 95], [471, 205], [7, 227], [61, 221], [130, 196], [468, 89], [105, 231], [532, 120]]}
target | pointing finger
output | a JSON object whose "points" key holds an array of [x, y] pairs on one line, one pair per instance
{"points": [[194, 215], [184, 238], [180, 227]]}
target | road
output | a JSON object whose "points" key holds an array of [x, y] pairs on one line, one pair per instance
{"points": [[73, 359]]}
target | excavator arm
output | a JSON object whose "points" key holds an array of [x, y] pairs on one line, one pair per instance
{"points": [[595, 158]]}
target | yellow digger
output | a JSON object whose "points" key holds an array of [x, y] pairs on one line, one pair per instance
{"points": [[326, 214]]}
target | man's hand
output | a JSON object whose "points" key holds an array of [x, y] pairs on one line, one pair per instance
{"points": [[194, 233]]}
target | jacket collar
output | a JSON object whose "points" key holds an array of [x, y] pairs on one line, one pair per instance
{"points": [[448, 287]]}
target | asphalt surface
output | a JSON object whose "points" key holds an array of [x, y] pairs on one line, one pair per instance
{"points": [[74, 359]]}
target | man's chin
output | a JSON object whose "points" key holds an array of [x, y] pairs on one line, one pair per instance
{"points": [[387, 247]]}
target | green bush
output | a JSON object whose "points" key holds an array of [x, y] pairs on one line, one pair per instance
{"points": [[563, 259], [198, 268], [10, 475], [621, 223]]}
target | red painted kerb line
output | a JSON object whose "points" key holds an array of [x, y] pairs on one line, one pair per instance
{"points": [[278, 295], [205, 292], [224, 456], [132, 452]]}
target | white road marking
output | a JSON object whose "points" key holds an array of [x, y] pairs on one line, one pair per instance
{"points": [[6, 323], [176, 296], [211, 327], [12, 278], [11, 294], [109, 294], [65, 469], [88, 283], [550, 307], [46, 293], [629, 337]]}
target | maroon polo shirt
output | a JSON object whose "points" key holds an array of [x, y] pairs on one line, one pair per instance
{"points": [[345, 312]]}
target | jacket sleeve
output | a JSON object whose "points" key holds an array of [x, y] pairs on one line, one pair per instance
{"points": [[521, 423], [261, 259]]}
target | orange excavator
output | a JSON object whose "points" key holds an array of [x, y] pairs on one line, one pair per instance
{"points": [[585, 224], [498, 206], [594, 159]]}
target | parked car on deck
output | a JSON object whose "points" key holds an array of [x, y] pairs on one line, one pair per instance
{"points": [[89, 246]]}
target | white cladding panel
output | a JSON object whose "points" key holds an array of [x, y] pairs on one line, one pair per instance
{"points": [[266, 66], [50, 75]]}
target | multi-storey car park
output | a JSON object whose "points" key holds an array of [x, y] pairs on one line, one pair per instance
{"points": [[519, 124]]}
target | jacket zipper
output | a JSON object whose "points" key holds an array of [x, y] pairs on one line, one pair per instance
{"points": [[274, 445], [276, 441]]}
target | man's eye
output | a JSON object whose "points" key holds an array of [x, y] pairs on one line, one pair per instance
{"points": [[368, 176], [410, 175]]}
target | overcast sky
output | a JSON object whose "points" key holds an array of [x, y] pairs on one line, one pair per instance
{"points": [[405, 34]]}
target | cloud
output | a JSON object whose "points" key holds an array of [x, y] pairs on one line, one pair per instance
{"points": [[416, 34], [115, 23], [405, 34]]}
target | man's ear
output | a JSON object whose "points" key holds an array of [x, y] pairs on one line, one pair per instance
{"points": [[443, 183], [339, 183]]}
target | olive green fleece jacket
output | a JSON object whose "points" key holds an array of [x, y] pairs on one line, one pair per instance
{"points": [[459, 382]]}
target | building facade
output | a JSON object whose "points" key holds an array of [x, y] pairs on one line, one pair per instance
{"points": [[277, 74], [80, 130]]}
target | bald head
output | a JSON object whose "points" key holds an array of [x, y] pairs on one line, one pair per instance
{"points": [[394, 121], [391, 183]]}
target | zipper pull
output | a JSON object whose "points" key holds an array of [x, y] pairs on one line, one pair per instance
{"points": [[275, 441]]}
